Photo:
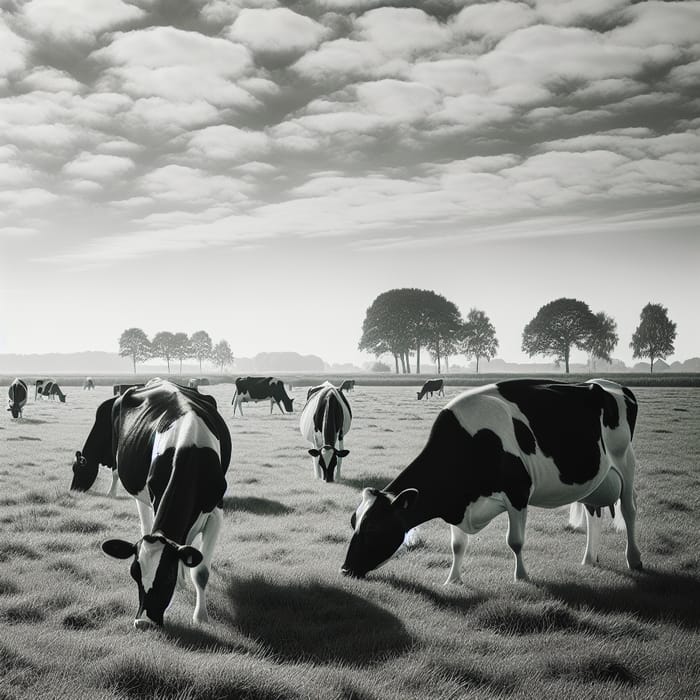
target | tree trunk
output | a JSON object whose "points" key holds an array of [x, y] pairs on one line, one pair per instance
{"points": [[438, 363], [133, 357], [417, 358], [167, 359], [651, 365], [408, 363], [200, 365], [396, 362], [477, 364], [180, 366], [447, 364], [566, 360]]}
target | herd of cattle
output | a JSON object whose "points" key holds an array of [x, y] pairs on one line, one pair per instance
{"points": [[492, 449]]}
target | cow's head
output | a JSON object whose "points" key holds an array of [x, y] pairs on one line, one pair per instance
{"points": [[328, 457], [13, 408], [379, 525], [419, 395], [84, 472], [62, 398], [288, 403], [155, 566]]}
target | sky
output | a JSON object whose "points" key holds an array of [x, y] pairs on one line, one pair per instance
{"points": [[262, 170]]}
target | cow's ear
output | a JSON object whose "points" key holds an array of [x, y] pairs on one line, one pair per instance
{"points": [[189, 556], [343, 453], [405, 499], [119, 549], [353, 520], [314, 452]]}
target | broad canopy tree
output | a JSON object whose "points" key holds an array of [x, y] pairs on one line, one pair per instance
{"points": [[564, 324], [163, 346], [478, 337], [222, 355], [655, 335], [134, 343], [200, 347], [603, 338]]}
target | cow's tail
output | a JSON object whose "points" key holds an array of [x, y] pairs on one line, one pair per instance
{"points": [[577, 516], [233, 400]]}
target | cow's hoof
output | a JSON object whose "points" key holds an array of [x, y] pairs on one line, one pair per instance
{"points": [[143, 624], [453, 582]]}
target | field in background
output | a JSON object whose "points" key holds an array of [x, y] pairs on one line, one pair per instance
{"points": [[286, 624]]}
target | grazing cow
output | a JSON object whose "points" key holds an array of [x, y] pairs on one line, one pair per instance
{"points": [[430, 386], [260, 389], [172, 449], [88, 384], [38, 386], [119, 389], [325, 421], [499, 448], [51, 390], [17, 393], [347, 385]]}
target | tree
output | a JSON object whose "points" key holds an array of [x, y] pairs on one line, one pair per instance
{"points": [[222, 355], [385, 328], [655, 334], [181, 347], [559, 326], [478, 337], [603, 338], [134, 343], [200, 347], [444, 326], [163, 346]]}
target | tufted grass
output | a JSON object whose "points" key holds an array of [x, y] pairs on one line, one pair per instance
{"points": [[285, 624]]}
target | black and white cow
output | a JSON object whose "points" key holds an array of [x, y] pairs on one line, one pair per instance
{"points": [[261, 389], [325, 421], [51, 390], [347, 385], [17, 397], [88, 384], [119, 389], [38, 386], [502, 447], [432, 385], [172, 449]]}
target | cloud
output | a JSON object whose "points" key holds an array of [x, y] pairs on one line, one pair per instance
{"points": [[176, 65], [495, 19], [77, 20], [653, 23], [98, 166], [566, 12], [17, 231], [27, 198], [163, 116], [277, 31], [226, 142], [52, 80], [13, 56]]}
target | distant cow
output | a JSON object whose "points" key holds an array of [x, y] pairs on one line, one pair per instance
{"points": [[119, 389], [347, 385], [88, 384], [196, 382], [173, 449], [500, 448], [260, 389], [17, 397], [432, 385], [38, 386], [51, 390], [325, 421]]}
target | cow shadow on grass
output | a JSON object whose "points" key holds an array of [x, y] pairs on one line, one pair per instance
{"points": [[256, 506], [360, 482], [458, 599], [313, 622], [651, 595], [200, 639], [36, 421]]}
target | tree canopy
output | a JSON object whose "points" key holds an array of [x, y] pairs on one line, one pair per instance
{"points": [[557, 327], [222, 355], [163, 346], [134, 343], [478, 337], [604, 337], [655, 334], [200, 346]]}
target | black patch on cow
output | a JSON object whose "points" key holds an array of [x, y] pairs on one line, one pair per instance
{"points": [[631, 406], [455, 469], [565, 419], [430, 386], [524, 436]]}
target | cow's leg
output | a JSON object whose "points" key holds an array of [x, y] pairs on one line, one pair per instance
{"points": [[317, 467], [516, 539], [340, 459], [593, 528], [200, 573], [145, 516], [458, 542], [628, 506], [112, 493]]}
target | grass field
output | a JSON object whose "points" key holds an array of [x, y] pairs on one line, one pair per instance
{"points": [[286, 624]]}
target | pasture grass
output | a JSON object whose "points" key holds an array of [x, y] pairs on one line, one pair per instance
{"points": [[285, 624]]}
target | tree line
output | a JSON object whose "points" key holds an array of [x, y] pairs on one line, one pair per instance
{"points": [[171, 347], [402, 321]]}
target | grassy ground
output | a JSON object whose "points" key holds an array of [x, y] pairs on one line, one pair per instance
{"points": [[287, 625]]}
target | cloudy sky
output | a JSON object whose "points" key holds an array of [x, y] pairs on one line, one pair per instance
{"points": [[262, 170]]}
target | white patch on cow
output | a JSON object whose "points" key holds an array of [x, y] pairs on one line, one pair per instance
{"points": [[188, 431], [149, 557]]}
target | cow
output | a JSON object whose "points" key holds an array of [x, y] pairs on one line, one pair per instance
{"points": [[119, 389], [260, 389], [325, 421], [88, 384], [50, 390], [172, 450], [17, 397], [38, 386], [347, 385], [432, 385], [499, 448]]}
